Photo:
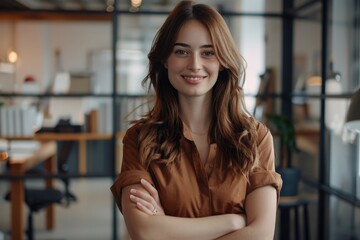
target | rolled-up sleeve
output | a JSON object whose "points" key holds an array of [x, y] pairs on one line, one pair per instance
{"points": [[131, 170], [264, 174]]}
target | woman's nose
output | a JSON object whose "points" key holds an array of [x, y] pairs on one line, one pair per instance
{"points": [[195, 63]]}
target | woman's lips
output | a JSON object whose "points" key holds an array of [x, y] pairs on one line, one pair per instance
{"points": [[193, 79]]}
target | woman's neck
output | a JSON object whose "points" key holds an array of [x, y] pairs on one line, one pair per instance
{"points": [[196, 113]]}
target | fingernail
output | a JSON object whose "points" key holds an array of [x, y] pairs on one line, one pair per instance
{"points": [[132, 196], [142, 180], [132, 190]]}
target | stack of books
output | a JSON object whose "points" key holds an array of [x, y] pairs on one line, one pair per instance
{"points": [[17, 120], [99, 120]]}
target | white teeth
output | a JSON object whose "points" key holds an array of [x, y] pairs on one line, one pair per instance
{"points": [[193, 78]]}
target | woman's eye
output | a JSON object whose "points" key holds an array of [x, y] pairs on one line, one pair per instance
{"points": [[208, 53], [181, 52]]}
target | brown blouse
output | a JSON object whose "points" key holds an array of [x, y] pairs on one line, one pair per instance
{"points": [[190, 188]]}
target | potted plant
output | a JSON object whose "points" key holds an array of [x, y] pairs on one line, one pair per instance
{"points": [[284, 129]]}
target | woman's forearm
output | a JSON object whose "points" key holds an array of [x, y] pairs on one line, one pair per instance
{"points": [[167, 227], [143, 226], [249, 233], [261, 208]]}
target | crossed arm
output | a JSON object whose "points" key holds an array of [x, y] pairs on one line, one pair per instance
{"points": [[140, 200]]}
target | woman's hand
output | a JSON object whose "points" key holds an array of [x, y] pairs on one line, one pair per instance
{"points": [[149, 201]]}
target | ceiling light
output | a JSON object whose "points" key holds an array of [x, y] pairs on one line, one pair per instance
{"points": [[110, 5], [109, 8], [12, 57], [136, 3]]}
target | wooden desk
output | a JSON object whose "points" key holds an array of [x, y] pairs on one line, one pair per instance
{"points": [[19, 165], [47, 151], [82, 138]]}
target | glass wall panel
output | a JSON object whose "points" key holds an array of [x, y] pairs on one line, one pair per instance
{"points": [[342, 145], [59, 57], [257, 38], [307, 65], [45, 48], [307, 90], [344, 44], [341, 84], [344, 220], [249, 34], [135, 35]]}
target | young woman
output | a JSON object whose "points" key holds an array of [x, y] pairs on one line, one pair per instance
{"points": [[197, 166]]}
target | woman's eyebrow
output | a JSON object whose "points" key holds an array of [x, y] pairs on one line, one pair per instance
{"points": [[188, 46]]}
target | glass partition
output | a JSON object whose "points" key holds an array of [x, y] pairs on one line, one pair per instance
{"points": [[257, 39]]}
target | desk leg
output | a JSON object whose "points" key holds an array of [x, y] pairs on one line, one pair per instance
{"points": [[17, 205], [50, 166], [82, 156]]}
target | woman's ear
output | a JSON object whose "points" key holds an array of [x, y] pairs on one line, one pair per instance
{"points": [[221, 68]]}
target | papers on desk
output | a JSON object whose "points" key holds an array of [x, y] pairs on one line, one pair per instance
{"points": [[19, 157], [20, 150]]}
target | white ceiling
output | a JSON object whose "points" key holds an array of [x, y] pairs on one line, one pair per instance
{"points": [[159, 5]]}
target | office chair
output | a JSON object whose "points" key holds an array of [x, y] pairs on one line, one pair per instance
{"points": [[35, 199], [62, 126], [63, 168]]}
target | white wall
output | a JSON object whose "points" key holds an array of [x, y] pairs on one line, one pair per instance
{"points": [[36, 42]]}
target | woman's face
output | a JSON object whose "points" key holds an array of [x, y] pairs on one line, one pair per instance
{"points": [[192, 65]]}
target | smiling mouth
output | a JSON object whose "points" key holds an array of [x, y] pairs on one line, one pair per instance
{"points": [[193, 79]]}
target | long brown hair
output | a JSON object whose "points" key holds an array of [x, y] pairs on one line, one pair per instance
{"points": [[232, 128]]}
